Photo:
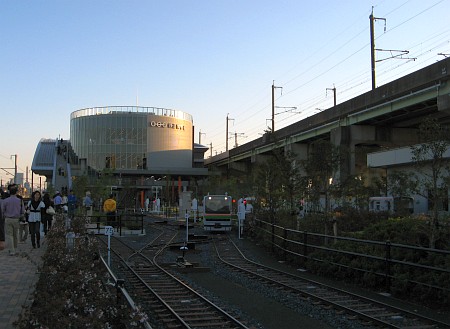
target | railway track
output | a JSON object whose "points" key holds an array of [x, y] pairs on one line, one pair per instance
{"points": [[166, 299], [367, 311]]}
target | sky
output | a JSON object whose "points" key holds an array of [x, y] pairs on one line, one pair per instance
{"points": [[212, 59]]}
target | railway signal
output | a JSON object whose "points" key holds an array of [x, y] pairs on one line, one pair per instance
{"points": [[241, 215]]}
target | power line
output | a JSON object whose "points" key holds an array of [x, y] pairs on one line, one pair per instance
{"points": [[349, 84]]}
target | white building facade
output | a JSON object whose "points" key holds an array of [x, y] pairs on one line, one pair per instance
{"points": [[401, 159]]}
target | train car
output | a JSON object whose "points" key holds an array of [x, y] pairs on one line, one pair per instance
{"points": [[217, 213]]}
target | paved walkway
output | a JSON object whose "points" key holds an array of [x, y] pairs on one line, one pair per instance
{"points": [[18, 277]]}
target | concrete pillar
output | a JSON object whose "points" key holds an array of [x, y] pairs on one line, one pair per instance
{"points": [[443, 103], [357, 137], [239, 166], [300, 150], [259, 158]]}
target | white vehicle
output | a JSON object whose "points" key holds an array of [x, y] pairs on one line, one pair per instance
{"points": [[397, 205], [381, 204]]}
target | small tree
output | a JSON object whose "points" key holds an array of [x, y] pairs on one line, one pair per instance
{"points": [[402, 185], [354, 193], [321, 167], [277, 181], [98, 184], [429, 160]]}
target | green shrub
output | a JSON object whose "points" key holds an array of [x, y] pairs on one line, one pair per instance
{"points": [[71, 291], [370, 272]]}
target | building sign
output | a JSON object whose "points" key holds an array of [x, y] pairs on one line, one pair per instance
{"points": [[160, 124]]}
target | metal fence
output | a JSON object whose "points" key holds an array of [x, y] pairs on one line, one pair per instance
{"points": [[384, 260], [121, 222]]}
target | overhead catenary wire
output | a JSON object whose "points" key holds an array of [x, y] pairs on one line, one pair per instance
{"points": [[348, 87]]}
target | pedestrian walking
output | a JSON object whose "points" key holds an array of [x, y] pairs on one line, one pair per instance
{"points": [[88, 203], [65, 208], [47, 219], [147, 202], [57, 201], [23, 225], [12, 210], [71, 203], [36, 207], [158, 204], [2, 222]]}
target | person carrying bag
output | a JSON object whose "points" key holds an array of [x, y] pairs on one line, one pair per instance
{"points": [[47, 215], [37, 208]]}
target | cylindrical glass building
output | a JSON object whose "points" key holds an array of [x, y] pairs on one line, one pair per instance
{"points": [[132, 137]]}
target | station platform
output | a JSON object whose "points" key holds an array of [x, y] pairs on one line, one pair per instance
{"points": [[18, 277]]}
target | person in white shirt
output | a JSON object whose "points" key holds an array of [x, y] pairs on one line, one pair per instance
{"points": [[147, 202], [35, 207]]}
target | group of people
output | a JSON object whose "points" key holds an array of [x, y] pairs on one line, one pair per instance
{"points": [[156, 204], [19, 218], [65, 204]]}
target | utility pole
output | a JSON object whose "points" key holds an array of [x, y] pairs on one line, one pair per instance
{"points": [[372, 45], [226, 136], [236, 136], [399, 54], [200, 136], [273, 104], [334, 92]]}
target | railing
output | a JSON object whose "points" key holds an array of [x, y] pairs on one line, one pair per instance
{"points": [[120, 222], [106, 110], [385, 260], [164, 211], [121, 291]]}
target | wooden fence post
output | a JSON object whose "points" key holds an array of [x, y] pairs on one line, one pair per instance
{"points": [[388, 265]]}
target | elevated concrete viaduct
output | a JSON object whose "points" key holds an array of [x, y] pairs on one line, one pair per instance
{"points": [[384, 118]]}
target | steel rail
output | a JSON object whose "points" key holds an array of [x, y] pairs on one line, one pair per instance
{"points": [[278, 274], [159, 244]]}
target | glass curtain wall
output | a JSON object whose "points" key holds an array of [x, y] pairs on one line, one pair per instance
{"points": [[115, 140]]}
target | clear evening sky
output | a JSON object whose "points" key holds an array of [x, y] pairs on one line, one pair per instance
{"points": [[207, 58]]}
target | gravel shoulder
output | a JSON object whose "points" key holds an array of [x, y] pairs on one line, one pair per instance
{"points": [[270, 309], [267, 312]]}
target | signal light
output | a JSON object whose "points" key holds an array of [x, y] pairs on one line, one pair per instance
{"points": [[234, 200]]}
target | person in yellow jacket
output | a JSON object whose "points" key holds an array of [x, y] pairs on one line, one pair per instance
{"points": [[109, 207]]}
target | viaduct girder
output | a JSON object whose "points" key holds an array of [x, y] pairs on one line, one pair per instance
{"points": [[403, 103]]}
